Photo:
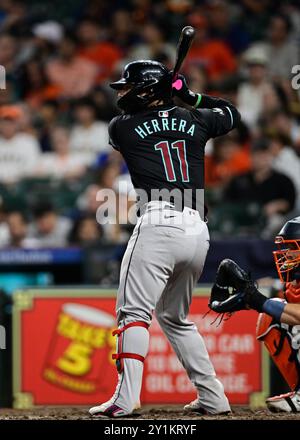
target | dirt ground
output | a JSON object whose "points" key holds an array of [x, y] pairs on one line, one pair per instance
{"points": [[147, 413]]}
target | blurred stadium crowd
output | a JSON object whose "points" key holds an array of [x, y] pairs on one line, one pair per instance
{"points": [[54, 153]]}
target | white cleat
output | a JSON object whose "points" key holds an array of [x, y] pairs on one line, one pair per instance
{"points": [[289, 402], [195, 406], [108, 409]]}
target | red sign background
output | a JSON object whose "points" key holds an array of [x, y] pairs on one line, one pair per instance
{"points": [[232, 346]]}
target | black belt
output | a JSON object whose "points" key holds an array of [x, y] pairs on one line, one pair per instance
{"points": [[173, 206]]}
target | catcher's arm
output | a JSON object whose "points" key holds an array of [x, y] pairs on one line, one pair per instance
{"points": [[245, 296], [291, 314]]}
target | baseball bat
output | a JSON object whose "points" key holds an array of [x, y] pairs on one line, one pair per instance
{"points": [[184, 43]]}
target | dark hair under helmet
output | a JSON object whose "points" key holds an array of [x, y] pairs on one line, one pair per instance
{"points": [[149, 80]]}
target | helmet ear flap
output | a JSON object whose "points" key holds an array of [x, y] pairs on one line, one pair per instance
{"points": [[141, 95], [161, 90], [131, 102]]}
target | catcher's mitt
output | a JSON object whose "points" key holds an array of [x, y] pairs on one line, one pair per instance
{"points": [[244, 294], [233, 303]]}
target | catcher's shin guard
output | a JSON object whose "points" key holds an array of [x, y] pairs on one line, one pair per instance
{"points": [[279, 339]]}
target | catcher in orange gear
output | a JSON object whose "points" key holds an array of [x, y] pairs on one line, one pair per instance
{"points": [[278, 324]]}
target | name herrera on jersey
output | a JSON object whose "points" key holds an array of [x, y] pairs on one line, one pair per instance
{"points": [[165, 124]]}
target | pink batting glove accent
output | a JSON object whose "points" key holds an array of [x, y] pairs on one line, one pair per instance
{"points": [[177, 84]]}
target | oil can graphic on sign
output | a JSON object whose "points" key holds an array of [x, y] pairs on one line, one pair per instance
{"points": [[81, 348]]}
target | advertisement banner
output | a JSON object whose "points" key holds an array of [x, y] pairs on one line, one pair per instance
{"points": [[63, 345]]}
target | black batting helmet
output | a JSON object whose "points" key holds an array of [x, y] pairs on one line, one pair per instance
{"points": [[287, 258], [148, 81]]}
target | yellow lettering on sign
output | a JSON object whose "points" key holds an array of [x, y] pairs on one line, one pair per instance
{"points": [[76, 359], [99, 338], [67, 326], [66, 382], [76, 331], [112, 340]]}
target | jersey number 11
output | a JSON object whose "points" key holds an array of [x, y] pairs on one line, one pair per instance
{"points": [[165, 151]]}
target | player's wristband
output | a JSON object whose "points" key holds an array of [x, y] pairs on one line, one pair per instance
{"points": [[199, 97], [274, 308]]}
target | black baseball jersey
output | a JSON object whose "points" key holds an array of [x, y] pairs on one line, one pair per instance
{"points": [[164, 148]]}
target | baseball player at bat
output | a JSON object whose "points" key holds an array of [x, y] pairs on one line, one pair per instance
{"points": [[163, 146], [279, 320]]}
